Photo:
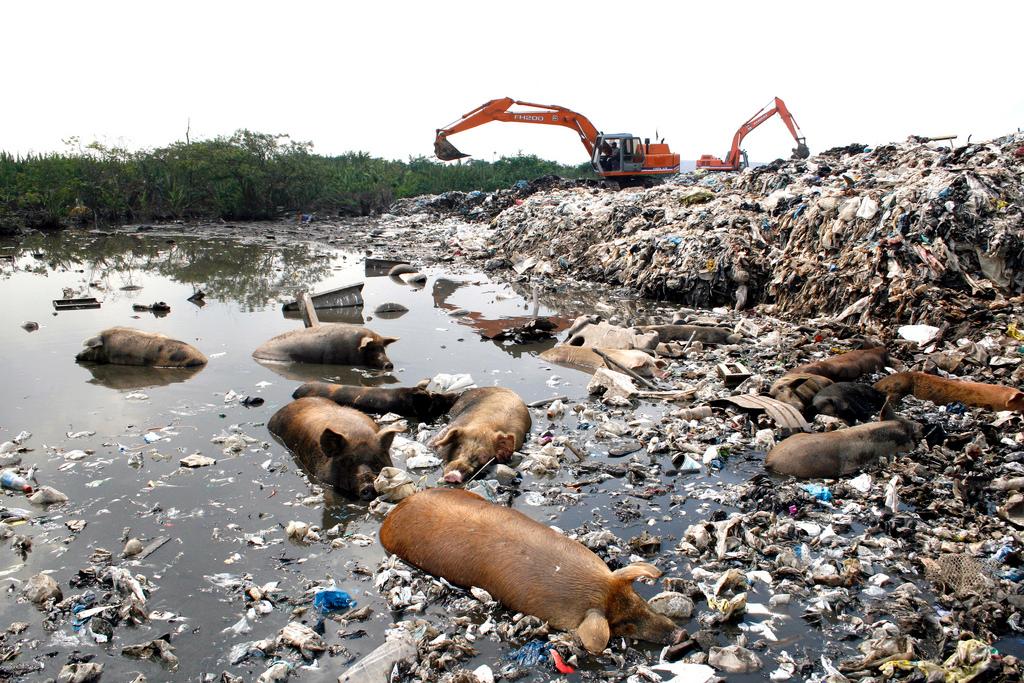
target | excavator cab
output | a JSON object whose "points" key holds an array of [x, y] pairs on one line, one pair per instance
{"points": [[619, 153]]}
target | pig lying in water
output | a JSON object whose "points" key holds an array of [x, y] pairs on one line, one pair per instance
{"points": [[125, 346], [337, 446], [640, 362], [831, 455], [333, 343], [847, 366], [414, 402], [941, 391], [848, 401], [798, 389], [525, 565], [489, 422]]}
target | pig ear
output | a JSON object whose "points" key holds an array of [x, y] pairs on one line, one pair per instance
{"points": [[387, 341], [365, 342], [448, 437], [504, 445], [797, 382], [387, 435], [93, 342], [594, 631], [1016, 401], [332, 443], [423, 383], [635, 571], [888, 413]]}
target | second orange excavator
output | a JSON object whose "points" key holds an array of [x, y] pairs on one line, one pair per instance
{"points": [[737, 158], [613, 155]]}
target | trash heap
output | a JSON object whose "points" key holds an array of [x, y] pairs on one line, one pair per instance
{"points": [[904, 232], [482, 206]]}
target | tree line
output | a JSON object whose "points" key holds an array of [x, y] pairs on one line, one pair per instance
{"points": [[246, 175]]}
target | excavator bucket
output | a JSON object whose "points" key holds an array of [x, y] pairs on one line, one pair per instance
{"points": [[446, 151], [801, 151]]}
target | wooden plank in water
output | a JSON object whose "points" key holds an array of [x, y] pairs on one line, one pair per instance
{"points": [[75, 304], [309, 318]]}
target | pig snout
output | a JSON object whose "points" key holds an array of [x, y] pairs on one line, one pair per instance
{"points": [[657, 628], [364, 483], [453, 477], [376, 357]]}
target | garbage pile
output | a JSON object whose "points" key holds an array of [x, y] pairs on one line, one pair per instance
{"points": [[904, 232], [482, 206]]}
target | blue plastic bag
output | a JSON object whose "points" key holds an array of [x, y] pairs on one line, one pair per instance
{"points": [[328, 601], [818, 491], [530, 654]]}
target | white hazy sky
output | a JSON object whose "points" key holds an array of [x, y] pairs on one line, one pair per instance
{"points": [[381, 76]]}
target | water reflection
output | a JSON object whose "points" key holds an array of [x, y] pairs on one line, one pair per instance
{"points": [[130, 377], [353, 315], [340, 509], [338, 374], [491, 328], [252, 274]]}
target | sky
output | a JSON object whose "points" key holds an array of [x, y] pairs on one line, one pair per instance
{"points": [[380, 77]]}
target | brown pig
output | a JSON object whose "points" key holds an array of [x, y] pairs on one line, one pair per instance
{"points": [[798, 389], [525, 565], [701, 333], [849, 401], [490, 422], [125, 346], [337, 446], [416, 402], [847, 366], [941, 391], [830, 455], [333, 343], [640, 362]]}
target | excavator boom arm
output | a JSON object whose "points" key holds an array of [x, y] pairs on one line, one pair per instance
{"points": [[756, 120], [498, 110]]}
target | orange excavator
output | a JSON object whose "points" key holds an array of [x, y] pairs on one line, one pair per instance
{"points": [[613, 155], [737, 158]]}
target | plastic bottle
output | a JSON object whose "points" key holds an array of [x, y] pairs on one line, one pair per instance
{"points": [[10, 479], [377, 665], [698, 413]]}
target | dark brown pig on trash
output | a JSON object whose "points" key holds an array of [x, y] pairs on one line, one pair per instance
{"points": [[125, 346], [329, 344], [798, 389], [699, 333], [847, 366], [849, 401], [338, 446], [489, 422], [831, 455], [941, 391], [416, 402], [525, 565]]}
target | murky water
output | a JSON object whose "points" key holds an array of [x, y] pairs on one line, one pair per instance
{"points": [[227, 520], [208, 512]]}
